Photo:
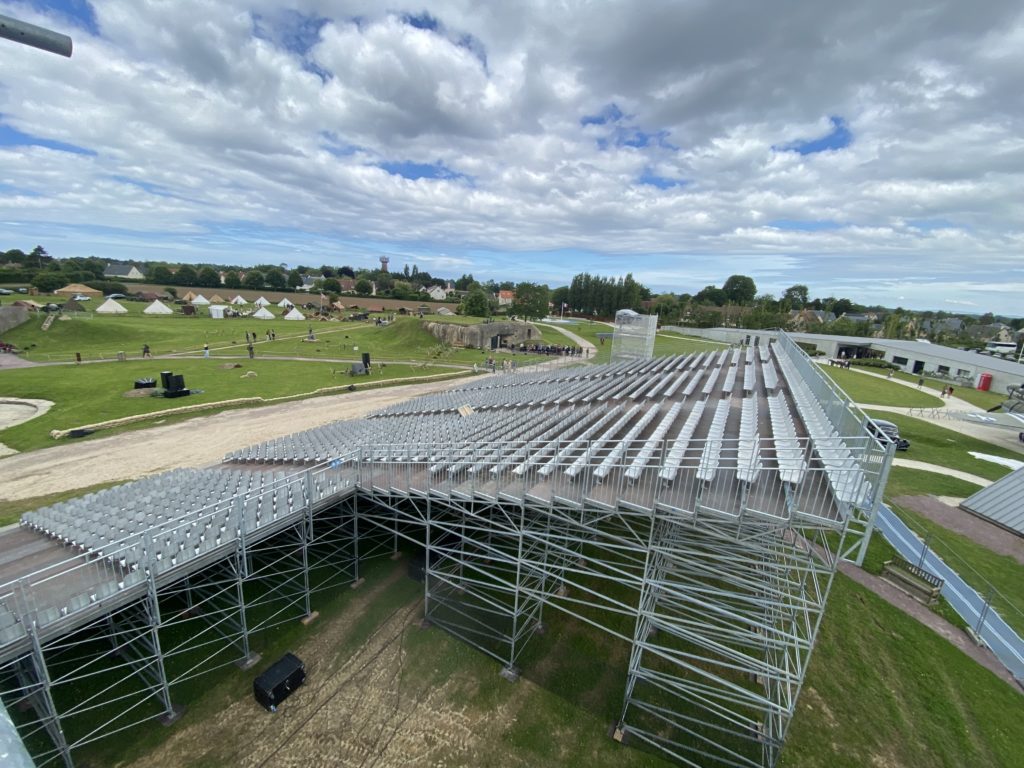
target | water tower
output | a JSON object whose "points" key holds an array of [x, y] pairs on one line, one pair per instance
{"points": [[384, 263]]}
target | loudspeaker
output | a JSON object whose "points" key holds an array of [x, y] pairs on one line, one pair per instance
{"points": [[177, 382], [165, 379], [366, 360]]}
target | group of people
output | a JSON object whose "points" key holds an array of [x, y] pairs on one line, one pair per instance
{"points": [[554, 349], [947, 391]]}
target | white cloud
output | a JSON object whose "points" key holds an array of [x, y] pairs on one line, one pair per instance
{"points": [[246, 115]]}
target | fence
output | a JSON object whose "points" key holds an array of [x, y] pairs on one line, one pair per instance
{"points": [[983, 611]]}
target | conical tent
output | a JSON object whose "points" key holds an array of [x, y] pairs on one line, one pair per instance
{"points": [[285, 303], [263, 314], [216, 299], [188, 296], [200, 299], [239, 300], [157, 308], [111, 307], [295, 315], [261, 302]]}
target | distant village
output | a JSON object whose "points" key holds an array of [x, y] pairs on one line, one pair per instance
{"points": [[736, 303]]}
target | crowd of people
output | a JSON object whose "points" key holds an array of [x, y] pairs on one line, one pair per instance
{"points": [[554, 350]]}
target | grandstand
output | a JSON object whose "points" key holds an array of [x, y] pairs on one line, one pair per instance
{"points": [[702, 501]]}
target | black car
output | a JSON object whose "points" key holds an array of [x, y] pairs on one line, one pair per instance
{"points": [[887, 432]]}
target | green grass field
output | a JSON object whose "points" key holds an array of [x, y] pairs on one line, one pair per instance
{"points": [[98, 337], [95, 392], [976, 397], [946, 448], [874, 391]]}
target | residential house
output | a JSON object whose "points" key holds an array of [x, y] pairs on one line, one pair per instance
{"points": [[804, 319], [436, 292], [505, 298]]}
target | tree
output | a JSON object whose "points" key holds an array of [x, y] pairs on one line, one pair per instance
{"points": [[325, 270], [364, 287], [185, 275], [531, 301], [253, 279], [560, 296], [330, 284], [274, 278], [711, 294], [161, 274], [796, 295], [464, 283], [294, 279], [346, 272], [740, 289], [15, 255], [208, 278], [232, 280], [38, 257], [48, 282], [475, 304]]}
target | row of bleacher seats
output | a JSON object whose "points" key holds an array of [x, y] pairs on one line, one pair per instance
{"points": [[846, 476], [184, 513]]}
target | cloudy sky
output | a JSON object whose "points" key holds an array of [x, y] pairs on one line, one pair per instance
{"points": [[872, 149]]}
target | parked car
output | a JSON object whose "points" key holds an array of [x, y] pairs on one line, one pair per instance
{"points": [[80, 297], [5, 292], [887, 432], [23, 290], [117, 296]]}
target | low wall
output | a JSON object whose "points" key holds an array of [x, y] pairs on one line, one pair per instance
{"points": [[12, 317]]}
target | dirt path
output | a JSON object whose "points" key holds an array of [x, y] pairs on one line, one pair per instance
{"points": [[196, 442]]}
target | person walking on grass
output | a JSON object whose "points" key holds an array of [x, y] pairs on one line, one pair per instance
{"points": [[206, 350], [146, 354], [252, 352]]}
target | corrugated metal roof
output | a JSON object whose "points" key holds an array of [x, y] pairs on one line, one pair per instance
{"points": [[1002, 502]]}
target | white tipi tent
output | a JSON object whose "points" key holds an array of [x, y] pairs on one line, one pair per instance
{"points": [[111, 307], [239, 300], [295, 315], [158, 308], [200, 299], [263, 314], [285, 303], [261, 302]]}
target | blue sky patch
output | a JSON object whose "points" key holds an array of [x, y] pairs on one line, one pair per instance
{"points": [[79, 10], [650, 178], [797, 225], [416, 171], [838, 138], [12, 137], [610, 114]]}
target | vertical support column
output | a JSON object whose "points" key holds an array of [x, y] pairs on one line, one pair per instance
{"points": [[171, 712], [42, 698]]}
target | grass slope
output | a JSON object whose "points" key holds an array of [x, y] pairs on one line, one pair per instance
{"points": [[98, 337], [976, 397], [980, 567], [883, 690]]}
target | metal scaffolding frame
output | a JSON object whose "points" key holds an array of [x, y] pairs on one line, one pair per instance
{"points": [[717, 580], [633, 337]]}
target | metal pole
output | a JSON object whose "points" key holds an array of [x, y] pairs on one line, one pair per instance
{"points": [[37, 37]]}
